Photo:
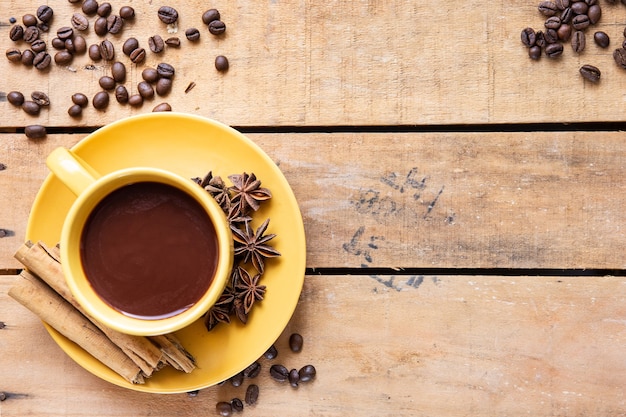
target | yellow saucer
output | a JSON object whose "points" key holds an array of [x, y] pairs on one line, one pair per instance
{"points": [[191, 146]]}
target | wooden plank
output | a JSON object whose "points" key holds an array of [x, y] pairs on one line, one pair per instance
{"points": [[343, 63], [446, 200], [402, 346]]}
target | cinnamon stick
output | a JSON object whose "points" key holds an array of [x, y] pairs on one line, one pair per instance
{"points": [[38, 297]]}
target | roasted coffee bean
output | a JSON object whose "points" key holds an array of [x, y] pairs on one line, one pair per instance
{"points": [[80, 21], [104, 9], [35, 132], [150, 75], [130, 45], [31, 34], [156, 44], [593, 2], [237, 379], [210, 15], [167, 14], [578, 41], [541, 40], [115, 24], [279, 372], [295, 342], [121, 94], [554, 50], [74, 1], [30, 107], [223, 408], [58, 43], [16, 33], [165, 70], [217, 27], [562, 4], [127, 12], [552, 22], [45, 13], [579, 7], [101, 100], [594, 13], [221, 63], [90, 7], [94, 52], [65, 32], [135, 100], [40, 98], [307, 373], [192, 34], [162, 107], [550, 36], [566, 15], [80, 45], [528, 37], [601, 39], [252, 394], [14, 55], [107, 83], [38, 45], [15, 97], [580, 22], [43, 27], [548, 8], [271, 353], [28, 57], [173, 42], [564, 32], [163, 86], [118, 71], [237, 404], [534, 52], [138, 55], [294, 378], [253, 370], [29, 20], [619, 55], [12, 20], [42, 60], [75, 110], [590, 73], [100, 26], [107, 50], [80, 99], [145, 90]]}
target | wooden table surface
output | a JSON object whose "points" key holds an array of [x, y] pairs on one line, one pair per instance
{"points": [[463, 204]]}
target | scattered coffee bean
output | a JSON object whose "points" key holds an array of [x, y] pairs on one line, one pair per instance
{"points": [[252, 394], [16, 98], [534, 52], [107, 83], [65, 32], [28, 57], [165, 70], [138, 55], [217, 27], [114, 24], [590, 73], [35, 132], [80, 45], [221, 63], [307, 373], [121, 94], [75, 111], [578, 41], [31, 34], [74, 1], [594, 13], [168, 15], [135, 100], [619, 55], [163, 86], [279, 373], [118, 71], [16, 33], [528, 37], [145, 90], [579, 7], [552, 22], [42, 60], [94, 52], [127, 12], [45, 13], [79, 21], [192, 34], [43, 26], [253, 370], [12, 20], [223, 408], [566, 15], [271, 353], [601, 39], [40, 98], [150, 75], [58, 43], [80, 99], [14, 55], [554, 50], [173, 42], [564, 32], [69, 45], [210, 15], [38, 46], [90, 7], [550, 36], [30, 107], [101, 100], [107, 50], [548, 8], [237, 404], [581, 21], [100, 26], [104, 9], [63, 57], [29, 20], [295, 342], [294, 378], [156, 44], [130, 45], [237, 379]]}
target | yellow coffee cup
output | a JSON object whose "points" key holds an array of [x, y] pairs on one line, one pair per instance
{"points": [[144, 251]]}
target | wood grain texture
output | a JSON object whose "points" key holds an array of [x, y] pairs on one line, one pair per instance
{"points": [[342, 63], [403, 200], [435, 345]]}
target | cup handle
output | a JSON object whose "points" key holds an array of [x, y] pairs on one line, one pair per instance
{"points": [[71, 170]]}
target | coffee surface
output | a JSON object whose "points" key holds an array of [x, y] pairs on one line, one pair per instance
{"points": [[149, 250]]}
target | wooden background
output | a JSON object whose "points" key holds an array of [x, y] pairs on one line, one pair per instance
{"points": [[463, 205]]}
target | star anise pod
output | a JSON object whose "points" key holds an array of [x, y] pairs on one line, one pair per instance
{"points": [[239, 310], [252, 246], [218, 189], [248, 289], [220, 311], [247, 191]]}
